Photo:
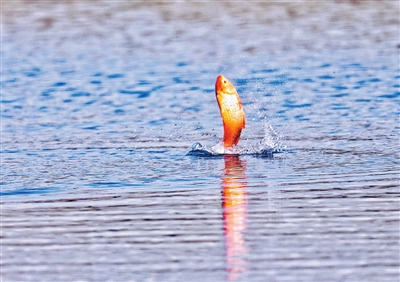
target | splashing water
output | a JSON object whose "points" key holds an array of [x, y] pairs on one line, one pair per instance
{"points": [[272, 139], [267, 147]]}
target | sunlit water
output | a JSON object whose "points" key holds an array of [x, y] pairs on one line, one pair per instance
{"points": [[111, 159]]}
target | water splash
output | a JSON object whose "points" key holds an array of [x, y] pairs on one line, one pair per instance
{"points": [[272, 138], [267, 147]]}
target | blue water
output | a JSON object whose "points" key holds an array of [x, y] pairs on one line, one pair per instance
{"points": [[111, 160]]}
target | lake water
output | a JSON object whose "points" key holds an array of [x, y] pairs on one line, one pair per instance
{"points": [[102, 101]]}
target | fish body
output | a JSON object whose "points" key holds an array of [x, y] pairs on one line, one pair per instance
{"points": [[231, 109]]}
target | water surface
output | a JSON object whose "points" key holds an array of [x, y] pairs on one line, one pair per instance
{"points": [[101, 104]]}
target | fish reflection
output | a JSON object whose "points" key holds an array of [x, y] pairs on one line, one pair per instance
{"points": [[234, 215]]}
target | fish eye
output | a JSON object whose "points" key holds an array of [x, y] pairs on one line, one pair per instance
{"points": [[224, 81]]}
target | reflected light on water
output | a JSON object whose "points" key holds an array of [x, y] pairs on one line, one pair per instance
{"points": [[234, 215]]}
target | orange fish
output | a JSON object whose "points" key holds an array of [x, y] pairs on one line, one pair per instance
{"points": [[231, 109]]}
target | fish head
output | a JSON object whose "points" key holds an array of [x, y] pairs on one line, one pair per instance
{"points": [[224, 86]]}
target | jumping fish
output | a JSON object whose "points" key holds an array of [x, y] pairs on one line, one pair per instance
{"points": [[231, 109]]}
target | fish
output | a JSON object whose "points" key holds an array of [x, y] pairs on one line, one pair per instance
{"points": [[231, 109]]}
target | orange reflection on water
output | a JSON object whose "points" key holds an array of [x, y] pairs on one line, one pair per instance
{"points": [[234, 215]]}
